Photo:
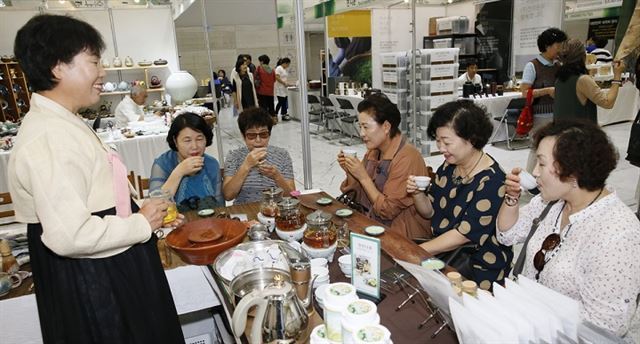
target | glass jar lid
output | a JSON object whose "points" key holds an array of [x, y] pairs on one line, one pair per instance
{"points": [[272, 192], [318, 217], [288, 203]]}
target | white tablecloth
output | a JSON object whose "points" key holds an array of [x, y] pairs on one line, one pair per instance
{"points": [[137, 154], [625, 108]]}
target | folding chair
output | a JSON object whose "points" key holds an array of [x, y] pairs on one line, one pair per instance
{"points": [[332, 121], [510, 119], [315, 112], [349, 122]]}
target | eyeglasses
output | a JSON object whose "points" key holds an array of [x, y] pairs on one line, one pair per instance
{"points": [[550, 243], [253, 136]]}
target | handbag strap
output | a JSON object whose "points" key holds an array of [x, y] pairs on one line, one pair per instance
{"points": [[517, 268]]}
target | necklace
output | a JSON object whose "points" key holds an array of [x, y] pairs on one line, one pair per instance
{"points": [[459, 179]]}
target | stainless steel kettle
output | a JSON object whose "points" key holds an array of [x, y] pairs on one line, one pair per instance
{"points": [[281, 316]]}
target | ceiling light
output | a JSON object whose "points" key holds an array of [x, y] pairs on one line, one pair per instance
{"points": [[62, 1]]}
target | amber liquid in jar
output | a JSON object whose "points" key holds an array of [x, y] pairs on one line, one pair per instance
{"points": [[290, 222], [269, 211], [320, 239]]}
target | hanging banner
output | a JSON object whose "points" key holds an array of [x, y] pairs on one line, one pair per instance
{"points": [[530, 18], [350, 24]]}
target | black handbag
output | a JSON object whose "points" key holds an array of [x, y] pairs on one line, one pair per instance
{"points": [[633, 152], [349, 199], [460, 259]]}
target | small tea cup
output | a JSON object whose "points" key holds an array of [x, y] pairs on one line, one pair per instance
{"points": [[527, 181], [422, 182], [350, 152], [8, 282]]}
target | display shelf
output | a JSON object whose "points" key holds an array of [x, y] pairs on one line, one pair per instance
{"points": [[134, 68], [119, 93], [147, 78], [451, 35], [18, 102]]}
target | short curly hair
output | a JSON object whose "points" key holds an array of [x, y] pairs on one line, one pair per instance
{"points": [[549, 37], [582, 151], [469, 121], [381, 109], [192, 121], [254, 117]]}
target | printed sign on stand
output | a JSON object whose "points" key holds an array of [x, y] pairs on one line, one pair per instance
{"points": [[365, 264]]}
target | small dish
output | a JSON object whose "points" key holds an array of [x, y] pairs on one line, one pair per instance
{"points": [[433, 264], [344, 212], [324, 201], [374, 230], [206, 212]]}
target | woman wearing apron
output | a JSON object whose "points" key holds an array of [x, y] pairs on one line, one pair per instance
{"points": [[378, 181], [96, 268]]}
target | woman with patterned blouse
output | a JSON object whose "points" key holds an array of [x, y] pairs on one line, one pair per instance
{"points": [[464, 200], [586, 247]]}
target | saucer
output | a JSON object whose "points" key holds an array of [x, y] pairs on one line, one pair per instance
{"points": [[206, 212], [344, 212], [433, 264], [324, 201], [374, 230]]}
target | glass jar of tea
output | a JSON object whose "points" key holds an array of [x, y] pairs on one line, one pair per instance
{"points": [[289, 217], [320, 232], [270, 199]]}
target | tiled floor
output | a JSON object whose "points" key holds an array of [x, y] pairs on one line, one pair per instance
{"points": [[327, 175]]}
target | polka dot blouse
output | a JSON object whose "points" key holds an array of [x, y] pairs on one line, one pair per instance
{"points": [[471, 208], [597, 262]]}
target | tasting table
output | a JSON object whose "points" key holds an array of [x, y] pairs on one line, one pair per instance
{"points": [[402, 324]]}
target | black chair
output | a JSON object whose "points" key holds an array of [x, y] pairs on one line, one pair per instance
{"points": [[349, 122], [510, 120], [331, 119], [315, 112]]}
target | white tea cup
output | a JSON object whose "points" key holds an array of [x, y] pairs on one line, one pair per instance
{"points": [[350, 152], [422, 182], [527, 181]]}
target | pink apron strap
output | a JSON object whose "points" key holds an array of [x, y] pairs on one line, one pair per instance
{"points": [[120, 185]]}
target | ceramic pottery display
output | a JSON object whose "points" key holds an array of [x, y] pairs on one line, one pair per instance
{"points": [[181, 86], [117, 62], [128, 61], [105, 63]]}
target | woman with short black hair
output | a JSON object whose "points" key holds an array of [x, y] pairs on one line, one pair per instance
{"points": [[465, 196], [185, 171], [586, 246], [96, 269], [257, 166], [244, 92], [377, 182], [281, 85], [265, 78]]}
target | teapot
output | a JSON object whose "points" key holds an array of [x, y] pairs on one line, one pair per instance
{"points": [[280, 316], [128, 61], [117, 62]]}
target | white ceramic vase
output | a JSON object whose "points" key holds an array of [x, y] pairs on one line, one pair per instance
{"points": [[181, 86]]}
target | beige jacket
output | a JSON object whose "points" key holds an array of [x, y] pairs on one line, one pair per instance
{"points": [[58, 175]]}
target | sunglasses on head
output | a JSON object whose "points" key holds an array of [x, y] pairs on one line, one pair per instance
{"points": [[253, 136]]}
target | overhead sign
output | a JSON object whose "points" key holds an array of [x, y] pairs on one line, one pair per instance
{"points": [[350, 24]]}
